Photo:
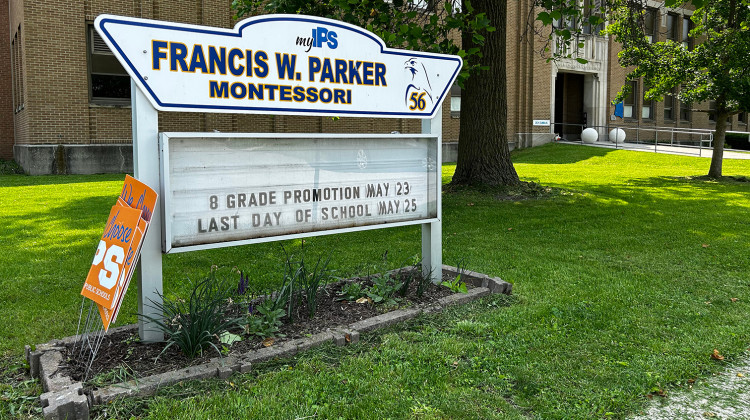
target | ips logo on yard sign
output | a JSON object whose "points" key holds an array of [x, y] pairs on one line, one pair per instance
{"points": [[320, 36]]}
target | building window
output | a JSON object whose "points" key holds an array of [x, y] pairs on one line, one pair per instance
{"points": [[16, 59], [669, 105], [455, 101], [672, 20], [687, 26], [742, 118], [109, 83], [647, 109], [712, 111], [685, 114], [592, 8], [629, 101], [649, 24]]}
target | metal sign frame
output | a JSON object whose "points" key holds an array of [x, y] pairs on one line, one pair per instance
{"points": [[433, 186]]}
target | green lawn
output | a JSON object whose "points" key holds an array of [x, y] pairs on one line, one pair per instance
{"points": [[622, 287]]}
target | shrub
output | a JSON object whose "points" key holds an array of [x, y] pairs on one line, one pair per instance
{"points": [[194, 324]]}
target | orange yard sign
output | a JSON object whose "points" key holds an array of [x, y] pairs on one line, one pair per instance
{"points": [[110, 258], [118, 251]]}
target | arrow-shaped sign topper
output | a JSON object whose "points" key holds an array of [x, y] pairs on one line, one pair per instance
{"points": [[278, 64]]}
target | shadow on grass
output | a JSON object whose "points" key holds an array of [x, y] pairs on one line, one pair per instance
{"points": [[557, 154], [41, 180]]}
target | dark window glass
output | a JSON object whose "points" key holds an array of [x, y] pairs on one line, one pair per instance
{"points": [[672, 20], [687, 26], [108, 81], [649, 24]]}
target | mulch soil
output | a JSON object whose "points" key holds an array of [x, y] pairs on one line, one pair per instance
{"points": [[122, 356]]}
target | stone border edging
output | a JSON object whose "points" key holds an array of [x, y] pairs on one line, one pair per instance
{"points": [[65, 399]]}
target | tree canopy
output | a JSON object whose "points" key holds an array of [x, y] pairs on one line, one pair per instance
{"points": [[714, 69], [461, 27]]}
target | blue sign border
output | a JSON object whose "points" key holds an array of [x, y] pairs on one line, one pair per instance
{"points": [[237, 33]]}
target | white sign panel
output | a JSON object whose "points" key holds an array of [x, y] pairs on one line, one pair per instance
{"points": [[543, 123], [225, 189], [278, 64]]}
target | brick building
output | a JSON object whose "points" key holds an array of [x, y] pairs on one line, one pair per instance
{"points": [[65, 100]]}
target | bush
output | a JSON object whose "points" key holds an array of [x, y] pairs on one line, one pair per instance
{"points": [[10, 167], [737, 141], [193, 325]]}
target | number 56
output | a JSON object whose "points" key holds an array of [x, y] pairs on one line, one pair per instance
{"points": [[418, 102]]}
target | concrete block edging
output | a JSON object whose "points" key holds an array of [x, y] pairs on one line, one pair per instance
{"points": [[65, 399]]}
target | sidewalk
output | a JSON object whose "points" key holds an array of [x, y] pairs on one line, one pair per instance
{"points": [[724, 396], [664, 148]]}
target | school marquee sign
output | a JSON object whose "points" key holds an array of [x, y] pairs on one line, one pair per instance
{"points": [[279, 64], [226, 189]]}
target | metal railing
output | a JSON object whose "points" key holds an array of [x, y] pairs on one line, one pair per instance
{"points": [[693, 138]]}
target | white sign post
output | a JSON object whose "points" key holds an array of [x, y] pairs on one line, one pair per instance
{"points": [[289, 65]]}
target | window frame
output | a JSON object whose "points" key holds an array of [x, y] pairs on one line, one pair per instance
{"points": [[647, 103], [669, 99], [651, 15], [92, 55], [455, 94], [687, 40], [686, 115], [632, 96]]}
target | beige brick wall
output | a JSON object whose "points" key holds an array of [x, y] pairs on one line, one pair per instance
{"points": [[56, 76], [6, 87]]}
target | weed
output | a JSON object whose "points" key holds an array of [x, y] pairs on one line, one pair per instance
{"points": [[423, 279], [193, 324], [457, 285], [351, 291], [383, 289], [117, 375], [267, 323]]}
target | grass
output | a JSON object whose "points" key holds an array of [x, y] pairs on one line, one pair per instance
{"points": [[623, 281]]}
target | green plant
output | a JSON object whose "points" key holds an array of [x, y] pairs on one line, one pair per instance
{"points": [[383, 289], [423, 279], [351, 291], [194, 324], [456, 285], [267, 323], [10, 167], [117, 375], [299, 275]]}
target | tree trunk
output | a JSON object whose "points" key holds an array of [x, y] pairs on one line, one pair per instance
{"points": [[483, 154], [720, 134]]}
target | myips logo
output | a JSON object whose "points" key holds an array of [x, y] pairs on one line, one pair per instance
{"points": [[320, 36]]}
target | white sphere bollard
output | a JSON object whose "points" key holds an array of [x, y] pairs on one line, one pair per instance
{"points": [[589, 135], [617, 135]]}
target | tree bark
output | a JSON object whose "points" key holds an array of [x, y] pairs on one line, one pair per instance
{"points": [[720, 134], [483, 154]]}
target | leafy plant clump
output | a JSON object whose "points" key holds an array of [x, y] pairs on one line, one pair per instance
{"points": [[267, 322], [351, 291], [193, 325], [457, 285], [10, 167]]}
